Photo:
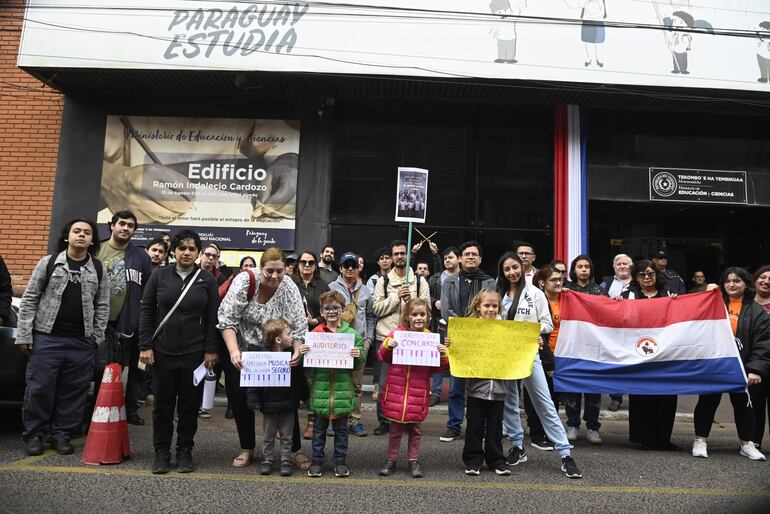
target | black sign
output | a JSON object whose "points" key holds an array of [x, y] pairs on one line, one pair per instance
{"points": [[704, 186]]}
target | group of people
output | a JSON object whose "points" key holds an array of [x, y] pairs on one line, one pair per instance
{"points": [[172, 306]]}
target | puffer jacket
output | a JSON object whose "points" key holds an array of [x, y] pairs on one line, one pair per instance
{"points": [[332, 394], [406, 392]]}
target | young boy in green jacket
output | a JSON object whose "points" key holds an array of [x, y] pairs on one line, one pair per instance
{"points": [[332, 396]]}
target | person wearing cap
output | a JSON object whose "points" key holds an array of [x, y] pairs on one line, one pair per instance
{"points": [[358, 313], [291, 262], [674, 282]]}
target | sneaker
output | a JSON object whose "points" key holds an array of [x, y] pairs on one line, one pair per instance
{"points": [[266, 468], [204, 414], [286, 469], [516, 455], [748, 450], [184, 460], [542, 443], [388, 468], [614, 406], [35, 446], [162, 464], [415, 469], [449, 436], [434, 400], [502, 471], [314, 470], [358, 430], [472, 471], [593, 437], [570, 468], [341, 470], [64, 447], [383, 429], [573, 433], [700, 448]]}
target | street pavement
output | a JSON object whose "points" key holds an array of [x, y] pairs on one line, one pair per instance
{"points": [[617, 476]]}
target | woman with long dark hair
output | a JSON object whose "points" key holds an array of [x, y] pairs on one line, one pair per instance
{"points": [[62, 320], [751, 328], [760, 393]]}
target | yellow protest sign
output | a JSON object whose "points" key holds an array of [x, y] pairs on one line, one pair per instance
{"points": [[489, 348]]}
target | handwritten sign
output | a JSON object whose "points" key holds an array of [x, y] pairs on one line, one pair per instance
{"points": [[329, 350], [416, 348], [487, 348], [265, 369]]}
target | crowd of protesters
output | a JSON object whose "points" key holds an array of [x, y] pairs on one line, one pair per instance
{"points": [[174, 305]]}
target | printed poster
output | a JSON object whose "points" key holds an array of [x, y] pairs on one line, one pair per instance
{"points": [[234, 181], [416, 348], [412, 195], [265, 369], [329, 350]]}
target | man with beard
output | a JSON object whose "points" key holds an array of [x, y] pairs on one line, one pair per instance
{"points": [[326, 266], [128, 268], [390, 294], [157, 249], [456, 293]]}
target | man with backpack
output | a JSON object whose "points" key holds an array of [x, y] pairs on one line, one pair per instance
{"points": [[391, 293], [127, 268]]}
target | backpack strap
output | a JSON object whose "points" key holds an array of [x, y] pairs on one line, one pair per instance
{"points": [[252, 285]]}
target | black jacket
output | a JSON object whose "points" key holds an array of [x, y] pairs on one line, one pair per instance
{"points": [[273, 400], [193, 326], [754, 336], [674, 282], [592, 288], [311, 293], [6, 291]]}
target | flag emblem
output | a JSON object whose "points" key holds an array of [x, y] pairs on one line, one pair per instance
{"points": [[646, 347]]}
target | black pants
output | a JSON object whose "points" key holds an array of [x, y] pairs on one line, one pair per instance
{"points": [[536, 430], [484, 427], [135, 381], [173, 387], [244, 417], [760, 399], [743, 413], [651, 419]]}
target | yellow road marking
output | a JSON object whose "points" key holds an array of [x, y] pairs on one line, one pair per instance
{"points": [[48, 453], [577, 487]]}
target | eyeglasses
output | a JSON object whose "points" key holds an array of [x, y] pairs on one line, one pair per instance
{"points": [[211, 255], [306, 263], [331, 309], [562, 271], [645, 274], [348, 265], [525, 254]]}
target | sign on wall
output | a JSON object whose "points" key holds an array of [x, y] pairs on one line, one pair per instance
{"points": [[703, 186], [722, 44], [234, 181]]}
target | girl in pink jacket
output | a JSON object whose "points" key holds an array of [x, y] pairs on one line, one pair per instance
{"points": [[406, 394]]}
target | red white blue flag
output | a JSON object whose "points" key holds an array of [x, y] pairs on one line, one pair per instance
{"points": [[659, 346]]}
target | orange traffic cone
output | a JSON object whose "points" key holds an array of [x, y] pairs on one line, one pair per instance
{"points": [[107, 441]]}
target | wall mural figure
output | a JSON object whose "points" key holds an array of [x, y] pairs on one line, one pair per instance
{"points": [[592, 30], [763, 51], [678, 41], [505, 31]]}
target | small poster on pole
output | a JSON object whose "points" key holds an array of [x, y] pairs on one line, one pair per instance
{"points": [[412, 195], [329, 350], [416, 348], [265, 369]]}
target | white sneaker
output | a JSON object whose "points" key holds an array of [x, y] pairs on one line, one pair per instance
{"points": [[700, 448], [573, 433], [593, 437], [750, 451]]}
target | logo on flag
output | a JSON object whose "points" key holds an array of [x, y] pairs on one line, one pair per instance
{"points": [[646, 347]]}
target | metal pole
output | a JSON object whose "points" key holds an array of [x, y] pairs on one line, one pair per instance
{"points": [[408, 252]]}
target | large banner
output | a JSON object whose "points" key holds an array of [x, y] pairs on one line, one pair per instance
{"points": [[234, 181], [721, 44]]}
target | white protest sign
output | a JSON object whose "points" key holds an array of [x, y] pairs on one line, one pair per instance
{"points": [[329, 350], [416, 348], [265, 369]]}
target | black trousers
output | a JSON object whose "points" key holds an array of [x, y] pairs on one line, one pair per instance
{"points": [[484, 433], [743, 413], [173, 388], [651, 419], [536, 430], [244, 417], [760, 399], [135, 380]]}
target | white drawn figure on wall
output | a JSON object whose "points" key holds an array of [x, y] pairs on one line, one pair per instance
{"points": [[592, 30], [763, 51], [504, 30], [679, 36]]}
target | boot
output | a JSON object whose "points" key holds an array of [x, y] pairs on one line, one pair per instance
{"points": [[184, 460], [162, 464], [309, 430]]}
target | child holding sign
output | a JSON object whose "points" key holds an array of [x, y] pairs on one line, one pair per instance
{"points": [[331, 395], [484, 411], [276, 403], [406, 393]]}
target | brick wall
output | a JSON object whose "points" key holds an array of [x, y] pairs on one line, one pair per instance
{"points": [[30, 117]]}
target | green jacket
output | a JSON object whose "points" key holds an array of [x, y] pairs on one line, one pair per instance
{"points": [[332, 394]]}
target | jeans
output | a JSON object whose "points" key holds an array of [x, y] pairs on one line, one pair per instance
{"points": [[572, 404], [273, 423], [358, 378], [340, 426], [394, 440], [456, 404], [536, 430], [437, 383]]}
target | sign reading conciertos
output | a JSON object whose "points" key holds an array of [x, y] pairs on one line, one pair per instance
{"points": [[488, 348], [265, 369], [703, 186], [416, 348], [234, 181], [329, 350]]}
